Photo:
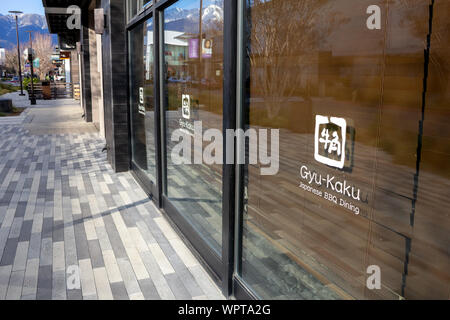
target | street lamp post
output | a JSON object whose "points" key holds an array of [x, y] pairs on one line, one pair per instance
{"points": [[31, 61], [18, 51], [200, 31]]}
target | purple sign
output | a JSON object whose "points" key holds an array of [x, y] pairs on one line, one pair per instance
{"points": [[193, 48]]}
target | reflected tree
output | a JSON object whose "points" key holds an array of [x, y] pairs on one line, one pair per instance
{"points": [[283, 37]]}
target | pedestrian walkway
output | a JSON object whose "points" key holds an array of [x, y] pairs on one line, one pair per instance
{"points": [[63, 210]]}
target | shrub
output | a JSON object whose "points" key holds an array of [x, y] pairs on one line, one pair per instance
{"points": [[27, 81], [7, 88]]}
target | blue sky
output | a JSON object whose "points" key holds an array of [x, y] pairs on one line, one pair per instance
{"points": [[191, 4], [27, 6], [35, 6]]}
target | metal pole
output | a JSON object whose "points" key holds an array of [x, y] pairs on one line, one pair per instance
{"points": [[200, 31], [18, 56], [30, 54]]}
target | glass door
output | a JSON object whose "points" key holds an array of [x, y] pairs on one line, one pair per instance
{"points": [[142, 111], [192, 62]]}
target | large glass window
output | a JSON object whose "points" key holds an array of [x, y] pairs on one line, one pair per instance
{"points": [[142, 108], [193, 61], [134, 6], [363, 173]]}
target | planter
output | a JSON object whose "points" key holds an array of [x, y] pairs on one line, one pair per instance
{"points": [[46, 90], [6, 105]]}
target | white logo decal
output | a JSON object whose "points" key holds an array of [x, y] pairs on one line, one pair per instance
{"points": [[329, 141], [141, 107], [186, 106]]}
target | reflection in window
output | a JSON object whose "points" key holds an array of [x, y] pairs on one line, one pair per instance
{"points": [[193, 59], [134, 6], [142, 99], [311, 58]]}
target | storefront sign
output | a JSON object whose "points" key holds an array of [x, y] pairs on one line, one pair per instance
{"points": [[340, 192], [329, 141], [64, 55], [186, 106], [330, 148], [186, 125], [193, 48], [206, 48]]}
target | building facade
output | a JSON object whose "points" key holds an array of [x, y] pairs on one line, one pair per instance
{"points": [[300, 146]]}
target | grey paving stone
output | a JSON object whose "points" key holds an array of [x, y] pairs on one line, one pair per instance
{"points": [[47, 228], [59, 285], [177, 287], [149, 290], [31, 280], [46, 257], [20, 260], [20, 210], [58, 231], [5, 274], [45, 283], [25, 232], [34, 249], [119, 291], [128, 276], [70, 246], [16, 227], [15, 285], [9, 253], [114, 238], [103, 238], [95, 253], [81, 240], [74, 294]]}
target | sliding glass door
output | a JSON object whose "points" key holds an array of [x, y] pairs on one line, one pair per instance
{"points": [[142, 109], [193, 104]]}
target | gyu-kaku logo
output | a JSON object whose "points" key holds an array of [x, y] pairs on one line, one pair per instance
{"points": [[329, 141]]}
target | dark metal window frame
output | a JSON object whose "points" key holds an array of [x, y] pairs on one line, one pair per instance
{"points": [[150, 187], [221, 268]]}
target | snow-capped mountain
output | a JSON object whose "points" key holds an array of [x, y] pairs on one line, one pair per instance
{"points": [[27, 22], [178, 19], [179, 14], [212, 13]]}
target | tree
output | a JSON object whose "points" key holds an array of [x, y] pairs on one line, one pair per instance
{"points": [[43, 49], [11, 60], [283, 36]]}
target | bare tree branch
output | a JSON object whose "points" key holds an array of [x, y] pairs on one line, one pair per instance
{"points": [[43, 48]]}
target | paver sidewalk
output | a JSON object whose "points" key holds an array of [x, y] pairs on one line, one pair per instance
{"points": [[64, 210]]}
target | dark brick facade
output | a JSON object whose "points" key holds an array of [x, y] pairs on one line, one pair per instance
{"points": [[116, 84]]}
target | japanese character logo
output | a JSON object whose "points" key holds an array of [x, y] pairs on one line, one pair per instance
{"points": [[186, 107], [329, 141]]}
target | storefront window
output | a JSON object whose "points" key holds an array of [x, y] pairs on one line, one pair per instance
{"points": [[134, 6], [364, 167], [142, 99], [193, 60]]}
